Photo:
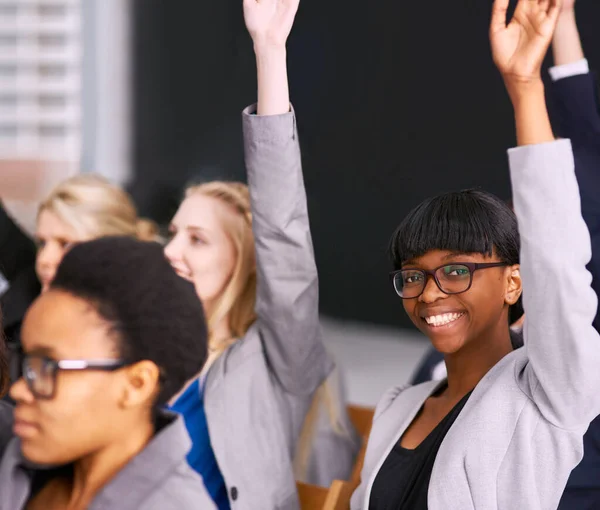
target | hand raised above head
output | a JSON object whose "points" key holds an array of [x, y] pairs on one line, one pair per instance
{"points": [[520, 46], [269, 22]]}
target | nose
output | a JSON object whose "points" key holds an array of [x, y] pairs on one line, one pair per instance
{"points": [[20, 392], [431, 292], [49, 257], [173, 249]]}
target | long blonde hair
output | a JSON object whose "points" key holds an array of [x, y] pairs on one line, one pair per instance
{"points": [[237, 305], [94, 207], [237, 302]]}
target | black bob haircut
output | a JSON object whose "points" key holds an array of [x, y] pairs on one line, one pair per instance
{"points": [[469, 221], [155, 314]]}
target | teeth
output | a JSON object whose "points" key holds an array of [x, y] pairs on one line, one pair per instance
{"points": [[442, 320]]}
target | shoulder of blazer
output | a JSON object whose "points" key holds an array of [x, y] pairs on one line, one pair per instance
{"points": [[237, 354]]}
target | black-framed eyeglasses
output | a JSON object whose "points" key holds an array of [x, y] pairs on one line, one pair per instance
{"points": [[452, 278], [40, 372]]}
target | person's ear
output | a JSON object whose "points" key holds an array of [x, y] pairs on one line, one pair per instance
{"points": [[141, 384], [514, 285]]}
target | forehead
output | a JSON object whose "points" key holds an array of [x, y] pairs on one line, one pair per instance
{"points": [[436, 258], [50, 225], [202, 211], [63, 326]]}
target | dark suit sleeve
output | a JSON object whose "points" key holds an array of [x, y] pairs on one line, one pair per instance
{"points": [[576, 115], [576, 109], [17, 250]]}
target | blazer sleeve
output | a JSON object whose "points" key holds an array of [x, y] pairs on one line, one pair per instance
{"points": [[577, 116], [562, 346], [17, 250], [287, 301]]}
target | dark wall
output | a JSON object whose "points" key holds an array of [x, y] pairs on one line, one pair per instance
{"points": [[396, 101]]}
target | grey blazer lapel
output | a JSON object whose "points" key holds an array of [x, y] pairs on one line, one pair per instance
{"points": [[389, 425]]}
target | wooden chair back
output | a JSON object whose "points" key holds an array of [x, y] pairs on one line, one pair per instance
{"points": [[362, 419], [336, 497]]}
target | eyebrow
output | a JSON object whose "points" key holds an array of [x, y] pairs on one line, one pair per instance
{"points": [[457, 254], [60, 239], [42, 351], [194, 228], [189, 228]]}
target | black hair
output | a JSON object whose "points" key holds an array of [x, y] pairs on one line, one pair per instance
{"points": [[4, 366], [469, 221], [155, 314]]}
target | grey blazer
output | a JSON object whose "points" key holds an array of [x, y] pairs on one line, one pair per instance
{"points": [[258, 392], [334, 449], [520, 434], [158, 478]]}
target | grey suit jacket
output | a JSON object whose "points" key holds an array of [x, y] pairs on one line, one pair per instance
{"points": [[520, 434], [258, 392], [158, 478]]}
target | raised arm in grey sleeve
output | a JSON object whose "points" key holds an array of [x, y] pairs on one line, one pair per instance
{"points": [[287, 302], [563, 347]]}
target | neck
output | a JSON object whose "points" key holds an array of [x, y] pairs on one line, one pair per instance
{"points": [[219, 333], [92, 473], [470, 364]]}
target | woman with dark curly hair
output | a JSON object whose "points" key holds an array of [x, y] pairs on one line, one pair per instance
{"points": [[109, 343]]}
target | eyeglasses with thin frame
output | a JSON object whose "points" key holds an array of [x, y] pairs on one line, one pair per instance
{"points": [[454, 278], [40, 372]]}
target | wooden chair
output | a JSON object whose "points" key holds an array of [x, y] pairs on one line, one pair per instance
{"points": [[362, 419], [336, 497]]}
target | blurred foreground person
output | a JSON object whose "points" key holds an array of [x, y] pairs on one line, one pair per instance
{"points": [[115, 335]]}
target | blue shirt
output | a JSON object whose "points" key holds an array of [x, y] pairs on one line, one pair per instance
{"points": [[201, 457]]}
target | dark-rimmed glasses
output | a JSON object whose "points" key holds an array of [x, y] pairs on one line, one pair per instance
{"points": [[454, 278], [40, 372]]}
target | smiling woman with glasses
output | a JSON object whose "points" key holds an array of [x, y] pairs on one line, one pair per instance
{"points": [[504, 430], [104, 349]]}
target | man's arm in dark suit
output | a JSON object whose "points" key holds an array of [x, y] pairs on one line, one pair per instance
{"points": [[577, 109]]}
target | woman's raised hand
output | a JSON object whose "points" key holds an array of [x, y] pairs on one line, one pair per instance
{"points": [[269, 22], [520, 46]]}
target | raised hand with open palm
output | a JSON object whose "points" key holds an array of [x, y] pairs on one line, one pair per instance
{"points": [[269, 22], [520, 46]]}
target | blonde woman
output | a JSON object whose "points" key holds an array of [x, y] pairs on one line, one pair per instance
{"points": [[81, 208], [248, 252]]}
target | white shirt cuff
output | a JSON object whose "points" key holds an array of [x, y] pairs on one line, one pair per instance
{"points": [[568, 70]]}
